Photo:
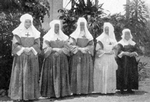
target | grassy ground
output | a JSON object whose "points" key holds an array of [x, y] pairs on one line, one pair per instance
{"points": [[142, 95]]}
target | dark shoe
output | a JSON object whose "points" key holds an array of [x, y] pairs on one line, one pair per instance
{"points": [[110, 94], [122, 91], [130, 91]]}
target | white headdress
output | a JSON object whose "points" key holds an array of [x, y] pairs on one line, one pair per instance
{"points": [[21, 31], [123, 41], [111, 34], [51, 36], [76, 33]]}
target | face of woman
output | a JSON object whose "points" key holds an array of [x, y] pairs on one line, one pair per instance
{"points": [[107, 30], [56, 30], [127, 35], [27, 23], [82, 25]]}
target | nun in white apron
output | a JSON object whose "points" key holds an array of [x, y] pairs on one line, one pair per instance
{"points": [[25, 69], [105, 65]]}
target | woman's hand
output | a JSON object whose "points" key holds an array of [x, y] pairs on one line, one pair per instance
{"points": [[48, 49], [74, 49], [133, 54], [123, 53], [99, 52], [126, 53], [59, 50], [83, 50], [109, 52], [27, 49], [130, 54]]}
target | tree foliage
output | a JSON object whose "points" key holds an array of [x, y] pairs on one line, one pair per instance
{"points": [[10, 12], [80, 8], [136, 21]]}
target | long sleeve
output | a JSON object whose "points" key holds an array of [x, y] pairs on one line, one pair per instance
{"points": [[118, 50], [65, 49], [90, 47], [72, 45], [17, 48], [99, 49], [47, 49], [36, 46]]}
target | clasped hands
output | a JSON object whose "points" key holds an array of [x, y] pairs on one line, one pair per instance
{"points": [[76, 49], [130, 54], [28, 49], [105, 52], [59, 50], [109, 52]]}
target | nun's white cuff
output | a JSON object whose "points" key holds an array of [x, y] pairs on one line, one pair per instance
{"points": [[136, 53], [120, 55], [34, 51], [74, 52], [20, 51]]}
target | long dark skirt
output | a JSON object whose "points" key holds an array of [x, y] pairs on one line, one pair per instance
{"points": [[81, 73], [127, 73], [24, 78], [55, 77]]}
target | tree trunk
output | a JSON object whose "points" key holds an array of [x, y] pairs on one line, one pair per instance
{"points": [[72, 4], [96, 3], [136, 17], [127, 9], [88, 2]]}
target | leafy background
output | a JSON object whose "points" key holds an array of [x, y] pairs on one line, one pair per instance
{"points": [[10, 12]]}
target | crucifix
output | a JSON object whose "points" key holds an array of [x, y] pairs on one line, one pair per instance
{"points": [[83, 36], [27, 34]]}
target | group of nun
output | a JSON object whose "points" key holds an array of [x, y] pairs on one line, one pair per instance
{"points": [[68, 67]]}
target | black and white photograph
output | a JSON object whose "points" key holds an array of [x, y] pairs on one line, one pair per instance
{"points": [[74, 50]]}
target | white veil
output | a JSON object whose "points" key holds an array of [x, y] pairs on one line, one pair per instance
{"points": [[76, 33], [51, 36], [111, 34], [123, 41], [21, 30]]}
